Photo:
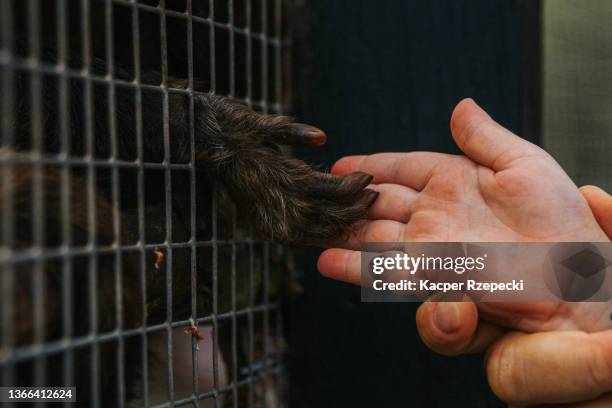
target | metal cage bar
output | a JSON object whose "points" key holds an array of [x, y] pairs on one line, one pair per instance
{"points": [[249, 31], [8, 233]]}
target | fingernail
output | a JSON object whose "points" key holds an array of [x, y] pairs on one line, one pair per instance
{"points": [[446, 317]]}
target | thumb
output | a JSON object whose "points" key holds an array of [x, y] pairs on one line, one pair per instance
{"points": [[600, 203], [485, 141], [453, 328], [550, 367]]}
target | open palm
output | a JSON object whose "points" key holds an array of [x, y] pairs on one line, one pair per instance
{"points": [[504, 189]]}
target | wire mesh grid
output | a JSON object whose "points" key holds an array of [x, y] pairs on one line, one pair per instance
{"points": [[232, 48]]}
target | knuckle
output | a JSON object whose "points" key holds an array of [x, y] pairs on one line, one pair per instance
{"points": [[599, 369], [346, 268], [473, 130], [406, 211], [504, 372], [396, 169], [374, 233]]}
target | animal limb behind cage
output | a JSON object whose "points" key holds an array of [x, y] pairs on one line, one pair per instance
{"points": [[238, 169]]}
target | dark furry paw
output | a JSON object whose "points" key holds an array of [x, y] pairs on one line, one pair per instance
{"points": [[287, 201], [283, 198]]}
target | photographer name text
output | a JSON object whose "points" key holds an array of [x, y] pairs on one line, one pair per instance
{"points": [[469, 285]]}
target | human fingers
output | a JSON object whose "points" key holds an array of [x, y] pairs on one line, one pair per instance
{"points": [[600, 203], [550, 367], [341, 264], [604, 401], [485, 141], [412, 169], [381, 230], [453, 328], [394, 202]]}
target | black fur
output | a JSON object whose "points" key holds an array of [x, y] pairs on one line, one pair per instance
{"points": [[281, 198]]}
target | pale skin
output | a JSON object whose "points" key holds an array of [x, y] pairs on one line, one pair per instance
{"points": [[507, 190]]}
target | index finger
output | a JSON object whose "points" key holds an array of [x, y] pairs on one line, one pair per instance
{"points": [[413, 169], [341, 264]]}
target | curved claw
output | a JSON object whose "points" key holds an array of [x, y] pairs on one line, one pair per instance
{"points": [[369, 197], [302, 134]]}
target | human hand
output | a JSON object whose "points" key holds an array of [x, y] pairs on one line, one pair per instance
{"points": [[525, 369], [454, 328], [505, 189], [444, 198], [600, 203]]}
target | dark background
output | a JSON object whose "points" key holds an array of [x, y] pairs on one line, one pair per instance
{"points": [[385, 76]]}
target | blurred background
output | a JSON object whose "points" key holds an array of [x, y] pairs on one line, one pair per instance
{"points": [[577, 88], [385, 76]]}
